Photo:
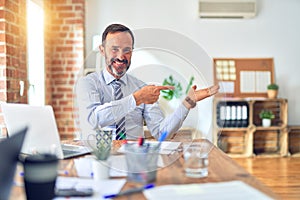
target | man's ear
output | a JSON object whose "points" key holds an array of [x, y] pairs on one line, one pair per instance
{"points": [[101, 48]]}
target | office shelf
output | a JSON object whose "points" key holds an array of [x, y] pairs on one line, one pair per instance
{"points": [[251, 139], [294, 141]]}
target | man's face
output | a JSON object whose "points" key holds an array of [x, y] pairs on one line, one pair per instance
{"points": [[117, 51]]}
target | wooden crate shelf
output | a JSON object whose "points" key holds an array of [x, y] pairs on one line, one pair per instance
{"points": [[278, 107], [294, 141], [232, 142], [254, 140], [267, 141]]}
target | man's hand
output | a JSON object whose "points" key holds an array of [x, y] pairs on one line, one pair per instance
{"points": [[195, 95], [149, 94]]}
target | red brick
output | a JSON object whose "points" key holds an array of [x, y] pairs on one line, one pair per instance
{"points": [[3, 61], [2, 15], [78, 2], [15, 30], [64, 8], [2, 49], [2, 37], [2, 26], [66, 15], [57, 2], [2, 3], [11, 6], [74, 21], [10, 17], [64, 48], [3, 96], [2, 84], [61, 89]]}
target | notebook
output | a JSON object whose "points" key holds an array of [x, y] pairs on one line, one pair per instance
{"points": [[9, 152], [42, 136]]}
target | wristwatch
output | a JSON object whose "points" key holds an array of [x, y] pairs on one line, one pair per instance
{"points": [[190, 102]]}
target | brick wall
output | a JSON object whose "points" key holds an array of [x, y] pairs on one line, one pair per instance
{"points": [[13, 63], [64, 53]]}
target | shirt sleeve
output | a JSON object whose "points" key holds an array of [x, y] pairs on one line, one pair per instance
{"points": [[92, 109], [157, 123]]}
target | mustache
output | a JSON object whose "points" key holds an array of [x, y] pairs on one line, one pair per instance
{"points": [[124, 61]]}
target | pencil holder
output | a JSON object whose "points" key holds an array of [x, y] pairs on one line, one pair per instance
{"points": [[141, 163]]}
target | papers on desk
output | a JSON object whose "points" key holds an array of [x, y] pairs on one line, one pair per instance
{"points": [[166, 147], [104, 187], [83, 167], [118, 162], [118, 166], [223, 191]]}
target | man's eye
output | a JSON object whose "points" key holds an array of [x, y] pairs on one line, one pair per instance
{"points": [[115, 50], [126, 51]]}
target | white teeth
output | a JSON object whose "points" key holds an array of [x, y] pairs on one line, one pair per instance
{"points": [[119, 63]]}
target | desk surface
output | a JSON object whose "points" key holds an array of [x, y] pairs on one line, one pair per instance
{"points": [[221, 168]]}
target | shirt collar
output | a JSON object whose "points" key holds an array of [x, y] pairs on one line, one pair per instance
{"points": [[109, 78]]}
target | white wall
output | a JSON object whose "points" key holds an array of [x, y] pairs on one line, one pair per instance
{"points": [[274, 32]]}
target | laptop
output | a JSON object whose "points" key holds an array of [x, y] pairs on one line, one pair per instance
{"points": [[42, 136], [9, 151]]}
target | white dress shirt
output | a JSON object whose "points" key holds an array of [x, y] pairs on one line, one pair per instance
{"points": [[98, 108]]}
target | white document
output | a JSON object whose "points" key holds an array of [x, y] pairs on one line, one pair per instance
{"points": [[166, 147], [224, 191], [254, 81], [101, 188], [226, 86], [84, 167], [247, 81], [118, 166], [263, 79]]}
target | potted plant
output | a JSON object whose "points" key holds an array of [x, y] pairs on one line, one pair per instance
{"points": [[266, 116], [272, 90]]}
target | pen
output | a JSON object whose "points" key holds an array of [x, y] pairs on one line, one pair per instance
{"points": [[62, 172], [141, 141], [163, 136], [130, 191]]}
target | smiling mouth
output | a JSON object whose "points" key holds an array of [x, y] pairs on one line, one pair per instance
{"points": [[119, 62]]}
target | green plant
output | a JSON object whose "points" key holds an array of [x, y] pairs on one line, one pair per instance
{"points": [[177, 92], [170, 94], [266, 114], [273, 86], [189, 85]]}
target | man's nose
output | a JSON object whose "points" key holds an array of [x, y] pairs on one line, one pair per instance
{"points": [[120, 55]]}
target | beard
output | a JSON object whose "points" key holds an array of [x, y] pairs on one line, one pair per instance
{"points": [[118, 71]]}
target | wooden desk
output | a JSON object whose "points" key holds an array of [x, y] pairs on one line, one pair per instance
{"points": [[221, 168]]}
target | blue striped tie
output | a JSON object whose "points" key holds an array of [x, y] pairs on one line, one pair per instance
{"points": [[120, 125]]}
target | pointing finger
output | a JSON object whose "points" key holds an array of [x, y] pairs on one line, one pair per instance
{"points": [[166, 87]]}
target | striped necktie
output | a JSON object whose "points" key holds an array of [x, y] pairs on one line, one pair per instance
{"points": [[120, 125]]}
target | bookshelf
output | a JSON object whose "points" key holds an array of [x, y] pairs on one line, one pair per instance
{"points": [[238, 131], [294, 141]]}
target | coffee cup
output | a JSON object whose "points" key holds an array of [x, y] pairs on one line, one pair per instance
{"points": [[40, 173]]}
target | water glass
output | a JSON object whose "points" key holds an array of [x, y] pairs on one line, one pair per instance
{"points": [[196, 159]]}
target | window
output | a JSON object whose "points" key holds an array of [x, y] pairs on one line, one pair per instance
{"points": [[35, 48]]}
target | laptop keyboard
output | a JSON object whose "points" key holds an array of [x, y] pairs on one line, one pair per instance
{"points": [[69, 152]]}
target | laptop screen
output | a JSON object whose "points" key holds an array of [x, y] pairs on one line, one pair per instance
{"points": [[9, 151], [42, 135]]}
